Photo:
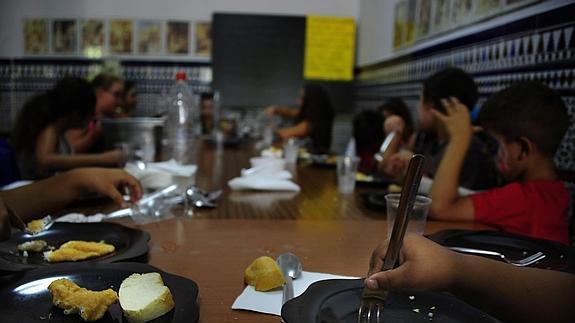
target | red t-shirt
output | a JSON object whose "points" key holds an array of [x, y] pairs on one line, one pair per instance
{"points": [[536, 208]]}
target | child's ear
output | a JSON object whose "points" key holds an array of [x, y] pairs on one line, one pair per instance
{"points": [[526, 146]]}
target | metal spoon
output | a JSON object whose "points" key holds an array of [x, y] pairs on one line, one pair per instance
{"points": [[291, 269]]}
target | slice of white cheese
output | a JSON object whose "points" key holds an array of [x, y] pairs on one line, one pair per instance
{"points": [[144, 297]]}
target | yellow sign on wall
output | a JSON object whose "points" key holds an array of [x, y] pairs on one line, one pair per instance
{"points": [[329, 48]]}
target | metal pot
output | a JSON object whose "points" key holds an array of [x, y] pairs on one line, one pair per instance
{"points": [[143, 134]]}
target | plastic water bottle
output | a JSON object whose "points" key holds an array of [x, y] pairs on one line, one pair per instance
{"points": [[182, 118]]}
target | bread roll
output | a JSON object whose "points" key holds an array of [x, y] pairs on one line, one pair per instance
{"points": [[144, 297]]}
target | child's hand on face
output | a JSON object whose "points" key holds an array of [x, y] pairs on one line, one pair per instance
{"points": [[457, 120]]}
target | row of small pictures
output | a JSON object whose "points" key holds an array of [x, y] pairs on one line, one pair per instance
{"points": [[97, 37], [419, 19]]}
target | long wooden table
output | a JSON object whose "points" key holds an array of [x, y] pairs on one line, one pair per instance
{"points": [[330, 233]]}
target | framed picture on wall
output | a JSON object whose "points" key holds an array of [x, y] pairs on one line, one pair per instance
{"points": [[423, 22], [410, 22], [461, 12], [440, 15], [121, 36], [399, 23], [92, 38], [149, 37], [487, 7], [36, 36], [203, 38], [177, 38], [64, 36]]}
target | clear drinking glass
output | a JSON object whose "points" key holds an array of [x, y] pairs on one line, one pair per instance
{"points": [[417, 218], [290, 151], [346, 171]]}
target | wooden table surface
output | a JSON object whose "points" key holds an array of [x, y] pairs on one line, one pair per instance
{"points": [[329, 232]]}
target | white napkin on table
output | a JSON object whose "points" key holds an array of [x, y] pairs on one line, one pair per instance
{"points": [[80, 218], [16, 184], [262, 183], [271, 302], [161, 174]]}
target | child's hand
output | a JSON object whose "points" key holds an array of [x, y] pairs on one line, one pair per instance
{"points": [[456, 120], [108, 182], [393, 123], [425, 265], [397, 164]]}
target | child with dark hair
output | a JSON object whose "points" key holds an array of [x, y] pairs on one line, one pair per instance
{"points": [[397, 117], [368, 134], [38, 135], [478, 171], [108, 89], [528, 120], [313, 119]]}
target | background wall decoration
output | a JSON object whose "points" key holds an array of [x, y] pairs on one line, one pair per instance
{"points": [[92, 37], [36, 36], [178, 37], [203, 38], [64, 36], [121, 36], [149, 37]]}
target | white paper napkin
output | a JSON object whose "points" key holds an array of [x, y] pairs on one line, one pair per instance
{"points": [[16, 184], [271, 302], [262, 183], [80, 218], [161, 174], [426, 182]]}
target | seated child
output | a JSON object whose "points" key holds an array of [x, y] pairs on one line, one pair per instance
{"points": [[38, 139], [528, 120], [478, 171]]}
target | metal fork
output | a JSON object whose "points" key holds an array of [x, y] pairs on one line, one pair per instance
{"points": [[373, 301], [519, 263]]}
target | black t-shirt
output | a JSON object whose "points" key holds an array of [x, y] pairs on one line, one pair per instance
{"points": [[479, 171]]}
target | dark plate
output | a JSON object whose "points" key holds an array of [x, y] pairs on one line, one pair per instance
{"points": [[375, 200], [378, 181], [511, 245], [338, 301], [323, 160], [129, 243], [27, 299]]}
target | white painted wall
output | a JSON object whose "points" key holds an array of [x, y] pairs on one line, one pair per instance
{"points": [[375, 29], [12, 12]]}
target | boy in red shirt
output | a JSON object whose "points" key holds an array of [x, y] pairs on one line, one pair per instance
{"points": [[528, 120]]}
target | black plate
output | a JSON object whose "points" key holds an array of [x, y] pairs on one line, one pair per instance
{"points": [[375, 200], [129, 243], [27, 299], [378, 181], [511, 245], [323, 160], [338, 300]]}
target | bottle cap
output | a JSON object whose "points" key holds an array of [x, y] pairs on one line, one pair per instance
{"points": [[181, 76]]}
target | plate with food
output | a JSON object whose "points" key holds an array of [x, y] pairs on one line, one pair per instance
{"points": [[373, 180], [323, 160], [79, 292], [72, 242], [511, 246], [338, 300]]}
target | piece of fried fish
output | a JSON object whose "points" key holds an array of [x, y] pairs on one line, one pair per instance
{"points": [[79, 250], [91, 305]]}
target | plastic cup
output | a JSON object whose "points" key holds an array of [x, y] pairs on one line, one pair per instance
{"points": [[290, 151], [346, 171], [417, 218]]}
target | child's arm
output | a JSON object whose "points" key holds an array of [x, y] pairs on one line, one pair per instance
{"points": [[34, 200], [48, 158], [282, 111], [301, 129], [510, 293], [446, 203]]}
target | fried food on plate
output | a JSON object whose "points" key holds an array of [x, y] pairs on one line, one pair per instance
{"points": [[33, 246], [79, 250], [36, 226], [91, 305]]}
